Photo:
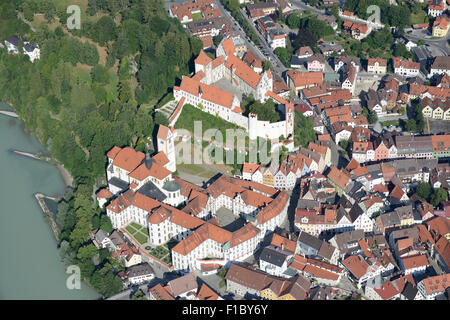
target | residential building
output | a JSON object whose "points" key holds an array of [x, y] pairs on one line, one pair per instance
{"points": [[316, 63], [405, 68], [432, 287], [440, 26], [245, 281], [376, 65], [441, 64]]}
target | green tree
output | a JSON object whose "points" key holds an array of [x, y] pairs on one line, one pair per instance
{"points": [[217, 39], [105, 223], [138, 295], [372, 117], [104, 30], [424, 190], [293, 20], [283, 55], [438, 196], [411, 125]]}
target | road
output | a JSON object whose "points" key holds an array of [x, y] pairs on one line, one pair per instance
{"points": [[297, 4], [278, 67], [127, 294], [439, 44]]}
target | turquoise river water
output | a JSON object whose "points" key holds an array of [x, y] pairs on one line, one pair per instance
{"points": [[30, 267]]}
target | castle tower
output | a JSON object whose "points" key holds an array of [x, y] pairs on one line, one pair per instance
{"points": [[166, 144], [289, 112], [252, 126]]}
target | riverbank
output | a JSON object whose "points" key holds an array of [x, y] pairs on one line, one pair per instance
{"points": [[32, 267], [67, 178], [9, 113], [48, 214]]}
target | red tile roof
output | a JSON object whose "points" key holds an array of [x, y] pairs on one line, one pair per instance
{"points": [[104, 194], [302, 79], [356, 265], [128, 159]]}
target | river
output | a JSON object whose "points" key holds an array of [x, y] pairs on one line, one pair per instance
{"points": [[30, 266]]}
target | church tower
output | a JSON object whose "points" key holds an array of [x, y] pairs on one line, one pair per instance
{"points": [[166, 144]]}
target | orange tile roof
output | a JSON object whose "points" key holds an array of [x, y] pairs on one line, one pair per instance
{"points": [[424, 234], [206, 293], [397, 62], [356, 265], [438, 226], [302, 79], [352, 165], [440, 142], [279, 241], [250, 167], [228, 47], [397, 192], [338, 177], [405, 243], [273, 208], [387, 290], [202, 59], [156, 170], [161, 293], [382, 62], [121, 202], [437, 284], [441, 22], [163, 132], [209, 93], [411, 262], [443, 248], [128, 159], [324, 137], [317, 272], [113, 152], [159, 215], [243, 71], [161, 158], [216, 233], [104, 194], [416, 89], [217, 62]]}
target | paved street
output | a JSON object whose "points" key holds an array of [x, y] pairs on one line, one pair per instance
{"points": [[278, 67], [439, 44]]}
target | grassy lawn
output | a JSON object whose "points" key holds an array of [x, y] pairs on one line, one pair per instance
{"points": [[131, 230], [140, 237], [196, 170], [137, 226], [191, 114], [197, 16], [419, 18], [390, 123]]}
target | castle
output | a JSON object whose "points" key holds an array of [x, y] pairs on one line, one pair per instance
{"points": [[199, 91]]}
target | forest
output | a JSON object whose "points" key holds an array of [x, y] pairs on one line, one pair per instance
{"points": [[92, 89]]}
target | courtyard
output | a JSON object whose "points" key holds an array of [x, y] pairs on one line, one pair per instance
{"points": [[228, 220], [226, 85], [138, 232]]}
